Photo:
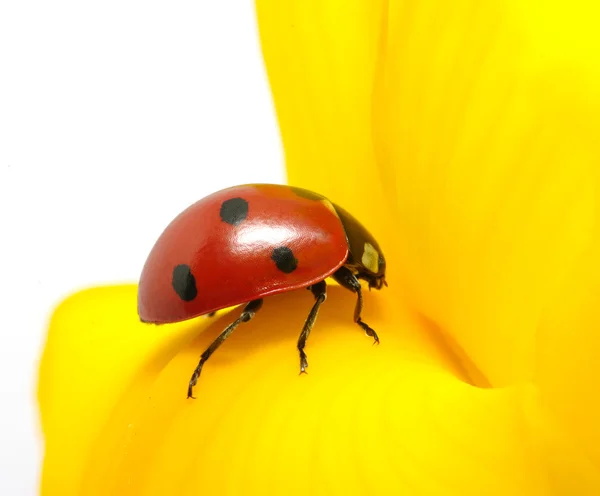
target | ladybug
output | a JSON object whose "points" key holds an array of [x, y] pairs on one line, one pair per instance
{"points": [[244, 243]]}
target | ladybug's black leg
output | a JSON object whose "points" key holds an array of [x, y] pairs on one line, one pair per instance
{"points": [[319, 290], [348, 280], [249, 312]]}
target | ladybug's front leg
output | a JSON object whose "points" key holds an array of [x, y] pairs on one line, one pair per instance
{"points": [[319, 290], [348, 280], [249, 312]]}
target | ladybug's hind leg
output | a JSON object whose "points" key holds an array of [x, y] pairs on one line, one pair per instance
{"points": [[319, 291], [249, 312], [348, 280]]}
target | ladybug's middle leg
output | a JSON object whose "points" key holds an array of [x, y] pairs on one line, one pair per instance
{"points": [[319, 291], [348, 280], [249, 312]]}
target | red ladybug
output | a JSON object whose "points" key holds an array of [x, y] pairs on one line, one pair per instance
{"points": [[243, 243]]}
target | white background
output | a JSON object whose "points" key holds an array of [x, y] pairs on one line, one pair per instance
{"points": [[114, 116]]}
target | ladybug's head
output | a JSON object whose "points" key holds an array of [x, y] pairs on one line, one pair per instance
{"points": [[364, 257], [375, 279]]}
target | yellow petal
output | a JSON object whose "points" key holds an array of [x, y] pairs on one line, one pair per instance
{"points": [[320, 58], [502, 187], [365, 420], [479, 122], [92, 357], [567, 351], [487, 149]]}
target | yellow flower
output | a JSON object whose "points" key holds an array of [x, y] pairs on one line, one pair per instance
{"points": [[464, 134]]}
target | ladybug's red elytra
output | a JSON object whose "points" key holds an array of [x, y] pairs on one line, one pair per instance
{"points": [[243, 243]]}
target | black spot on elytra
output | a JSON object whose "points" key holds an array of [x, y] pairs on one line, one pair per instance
{"points": [[309, 195], [284, 259], [234, 211], [184, 282]]}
